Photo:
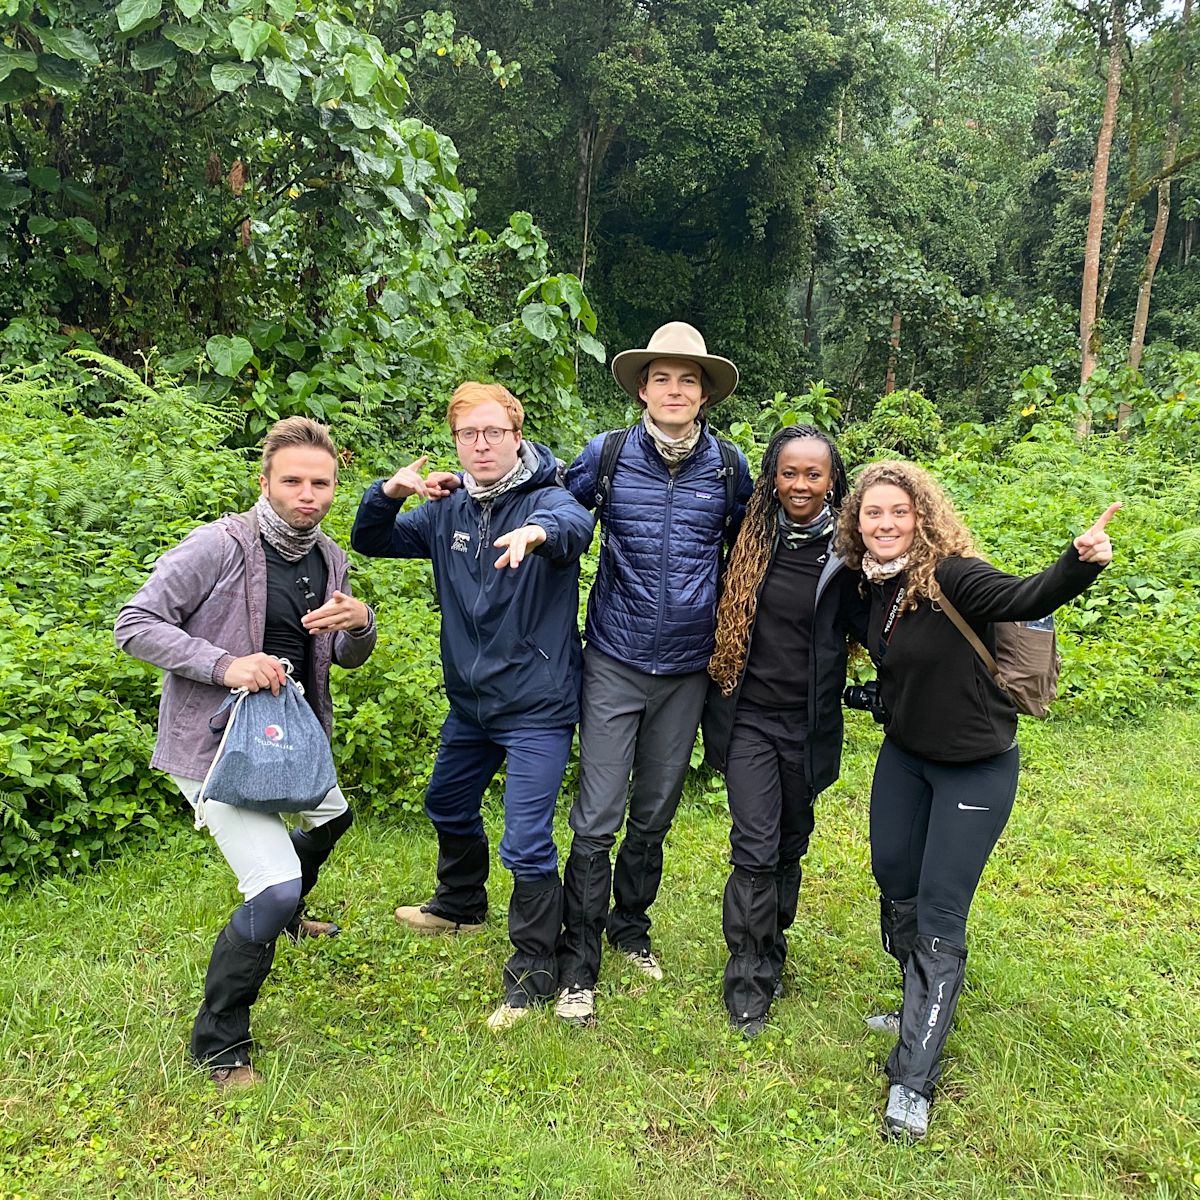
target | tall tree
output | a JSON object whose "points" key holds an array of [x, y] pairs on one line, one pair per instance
{"points": [[1115, 34]]}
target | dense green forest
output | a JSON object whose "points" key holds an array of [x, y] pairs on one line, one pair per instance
{"points": [[312, 203]]}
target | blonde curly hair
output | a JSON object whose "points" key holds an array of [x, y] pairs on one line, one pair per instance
{"points": [[939, 531]]}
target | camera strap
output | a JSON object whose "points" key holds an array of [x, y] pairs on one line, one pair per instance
{"points": [[889, 625]]}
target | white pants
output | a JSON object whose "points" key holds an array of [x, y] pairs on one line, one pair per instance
{"points": [[256, 845]]}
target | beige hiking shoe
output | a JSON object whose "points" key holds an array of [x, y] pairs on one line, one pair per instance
{"points": [[506, 1016], [415, 916], [645, 962], [235, 1079], [576, 1005]]}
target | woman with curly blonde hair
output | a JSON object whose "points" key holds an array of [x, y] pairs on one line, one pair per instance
{"points": [[773, 718], [946, 775]]}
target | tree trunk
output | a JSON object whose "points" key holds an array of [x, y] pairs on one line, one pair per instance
{"points": [[808, 299], [1095, 229], [889, 383], [1146, 280]]}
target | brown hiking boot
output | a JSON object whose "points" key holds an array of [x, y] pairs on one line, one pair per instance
{"points": [[235, 1079], [417, 917], [313, 929]]}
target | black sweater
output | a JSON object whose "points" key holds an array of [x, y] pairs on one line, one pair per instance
{"points": [[942, 702]]}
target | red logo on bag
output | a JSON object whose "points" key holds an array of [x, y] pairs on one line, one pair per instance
{"points": [[273, 733]]}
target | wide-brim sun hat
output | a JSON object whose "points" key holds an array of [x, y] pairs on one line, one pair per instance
{"points": [[676, 339]]}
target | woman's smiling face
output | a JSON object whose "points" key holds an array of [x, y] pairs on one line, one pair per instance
{"points": [[887, 521]]}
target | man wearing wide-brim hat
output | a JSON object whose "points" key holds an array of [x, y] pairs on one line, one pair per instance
{"points": [[668, 496]]}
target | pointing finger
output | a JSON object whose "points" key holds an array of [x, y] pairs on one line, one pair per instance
{"points": [[1107, 516]]}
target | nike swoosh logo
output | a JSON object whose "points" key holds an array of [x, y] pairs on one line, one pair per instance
{"points": [[972, 807]]}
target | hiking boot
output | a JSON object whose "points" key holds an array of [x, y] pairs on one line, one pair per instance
{"points": [[506, 1016], [907, 1114], [748, 1027], [576, 1005], [888, 1022], [419, 918], [644, 961], [305, 928], [235, 1079]]}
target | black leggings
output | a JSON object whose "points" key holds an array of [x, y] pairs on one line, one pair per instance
{"points": [[933, 826]]}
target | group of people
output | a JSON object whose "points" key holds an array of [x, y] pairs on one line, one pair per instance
{"points": [[715, 598]]}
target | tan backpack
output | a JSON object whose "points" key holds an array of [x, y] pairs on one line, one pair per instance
{"points": [[1027, 661]]}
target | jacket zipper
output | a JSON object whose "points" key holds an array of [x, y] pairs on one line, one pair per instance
{"points": [[662, 573]]}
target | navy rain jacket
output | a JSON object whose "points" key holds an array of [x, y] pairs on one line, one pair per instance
{"points": [[510, 639], [654, 602]]}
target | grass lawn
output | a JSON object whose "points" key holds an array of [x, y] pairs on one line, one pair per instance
{"points": [[1074, 1069]]}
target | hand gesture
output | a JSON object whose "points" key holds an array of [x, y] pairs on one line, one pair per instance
{"points": [[254, 672], [407, 480], [1093, 544], [439, 484], [342, 612], [517, 544]]}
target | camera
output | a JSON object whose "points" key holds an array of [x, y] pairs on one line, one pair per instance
{"points": [[865, 697]]}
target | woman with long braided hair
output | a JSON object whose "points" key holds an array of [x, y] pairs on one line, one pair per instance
{"points": [[773, 719]]}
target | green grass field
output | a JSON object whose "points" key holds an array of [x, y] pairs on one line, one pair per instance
{"points": [[1074, 1069]]}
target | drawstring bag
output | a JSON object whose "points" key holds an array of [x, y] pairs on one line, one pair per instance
{"points": [[274, 756]]}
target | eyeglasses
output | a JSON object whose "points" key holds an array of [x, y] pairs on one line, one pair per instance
{"points": [[493, 435]]}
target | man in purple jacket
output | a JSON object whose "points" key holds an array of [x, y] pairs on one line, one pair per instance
{"points": [[220, 611]]}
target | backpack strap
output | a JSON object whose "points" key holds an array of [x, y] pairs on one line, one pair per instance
{"points": [[961, 625], [728, 471], [610, 451]]}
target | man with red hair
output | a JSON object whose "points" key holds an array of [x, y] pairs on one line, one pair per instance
{"points": [[511, 658]]}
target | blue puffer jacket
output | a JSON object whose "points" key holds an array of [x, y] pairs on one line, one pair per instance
{"points": [[654, 602], [510, 639]]}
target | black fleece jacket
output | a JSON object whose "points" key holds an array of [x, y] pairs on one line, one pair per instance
{"points": [[941, 701]]}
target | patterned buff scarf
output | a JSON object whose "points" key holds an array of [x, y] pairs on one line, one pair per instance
{"points": [[527, 462], [794, 535], [877, 571], [292, 544], [673, 450]]}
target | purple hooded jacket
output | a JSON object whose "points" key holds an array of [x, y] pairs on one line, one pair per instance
{"points": [[205, 605]]}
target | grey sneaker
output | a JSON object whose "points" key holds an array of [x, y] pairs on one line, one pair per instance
{"points": [[645, 962], [888, 1022], [576, 1005], [907, 1114]]}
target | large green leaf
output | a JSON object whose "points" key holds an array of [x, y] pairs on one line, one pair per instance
{"points": [[229, 354], [229, 76], [17, 86], [83, 229], [362, 74], [132, 13], [12, 194], [248, 36], [283, 76], [16, 60], [72, 44], [187, 37], [590, 346], [541, 320], [47, 179], [42, 226], [284, 10], [189, 8], [332, 36], [150, 56], [59, 75]]}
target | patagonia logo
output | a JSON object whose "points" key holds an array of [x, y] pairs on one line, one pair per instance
{"points": [[461, 541], [704, 495]]}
